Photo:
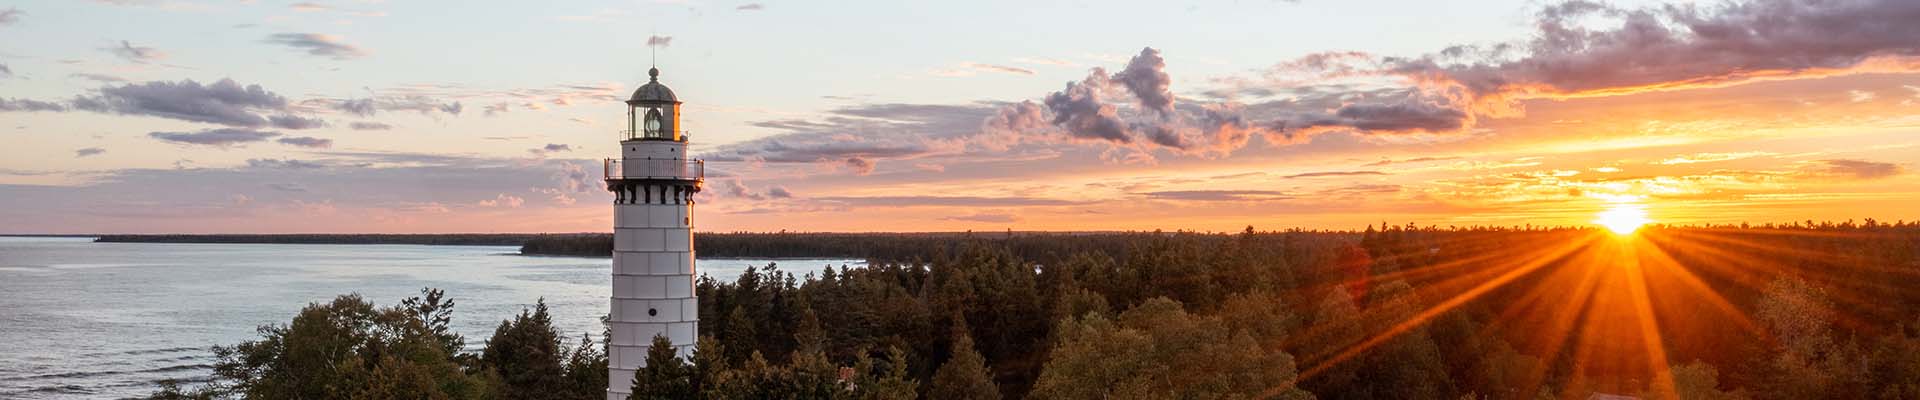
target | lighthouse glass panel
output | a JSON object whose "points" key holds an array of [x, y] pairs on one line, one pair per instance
{"points": [[653, 124]]}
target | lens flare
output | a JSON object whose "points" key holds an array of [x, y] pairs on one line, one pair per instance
{"points": [[1623, 219]]}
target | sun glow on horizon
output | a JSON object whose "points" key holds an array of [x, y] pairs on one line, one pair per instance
{"points": [[1623, 219]]}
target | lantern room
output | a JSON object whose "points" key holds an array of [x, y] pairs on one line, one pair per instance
{"points": [[653, 113]]}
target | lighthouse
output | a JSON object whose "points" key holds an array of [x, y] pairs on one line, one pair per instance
{"points": [[653, 183]]}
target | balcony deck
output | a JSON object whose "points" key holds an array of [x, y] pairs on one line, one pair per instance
{"points": [[654, 169]]}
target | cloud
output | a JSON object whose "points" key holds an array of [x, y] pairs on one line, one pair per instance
{"points": [[859, 165], [1359, 191], [5, 72], [137, 54], [308, 142], [985, 217], [1146, 77], [1586, 48], [11, 16], [90, 151], [1218, 195], [287, 187], [369, 126], [750, 7], [779, 192], [1402, 111], [318, 45], [224, 137], [868, 132], [1044, 61], [550, 148], [367, 107], [1079, 110], [659, 41], [1711, 157], [361, 107], [1579, 48], [1860, 96], [503, 200], [498, 108], [7, 105], [102, 78], [1854, 169], [946, 201], [224, 102], [1333, 173], [1385, 162], [737, 189], [1157, 121], [295, 122], [969, 69], [573, 178], [287, 163]]}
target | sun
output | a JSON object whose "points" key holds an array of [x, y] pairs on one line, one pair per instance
{"points": [[1623, 219]]}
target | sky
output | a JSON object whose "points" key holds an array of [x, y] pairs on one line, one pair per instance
{"points": [[205, 116]]}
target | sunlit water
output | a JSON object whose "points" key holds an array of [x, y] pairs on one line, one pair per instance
{"points": [[106, 320]]}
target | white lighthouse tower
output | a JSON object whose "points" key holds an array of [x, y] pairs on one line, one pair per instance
{"points": [[653, 183]]}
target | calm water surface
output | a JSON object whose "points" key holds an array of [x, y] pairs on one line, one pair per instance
{"points": [[108, 320]]}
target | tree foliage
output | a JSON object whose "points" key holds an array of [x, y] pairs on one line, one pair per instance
{"points": [[1819, 310]]}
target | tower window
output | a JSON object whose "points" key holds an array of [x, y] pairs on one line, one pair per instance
{"points": [[653, 312]]}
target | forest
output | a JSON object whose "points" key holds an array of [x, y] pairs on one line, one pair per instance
{"points": [[1782, 311]]}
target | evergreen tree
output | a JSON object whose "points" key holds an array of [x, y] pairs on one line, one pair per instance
{"points": [[666, 376], [526, 353], [1156, 351], [586, 370], [965, 374], [888, 381]]}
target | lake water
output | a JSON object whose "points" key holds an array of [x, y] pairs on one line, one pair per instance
{"points": [[109, 320]]}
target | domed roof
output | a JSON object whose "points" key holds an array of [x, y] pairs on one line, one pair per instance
{"points": [[653, 91]]}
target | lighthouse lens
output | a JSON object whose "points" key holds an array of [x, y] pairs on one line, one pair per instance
{"points": [[653, 122]]}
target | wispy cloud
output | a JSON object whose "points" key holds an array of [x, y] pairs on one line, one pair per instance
{"points": [[1333, 173], [318, 45], [1711, 157], [307, 141], [1853, 169], [750, 7], [973, 68], [1219, 195], [137, 54], [102, 78], [11, 16], [88, 152], [550, 148], [998, 218], [369, 126], [1384, 162], [225, 137], [7, 105], [224, 102]]}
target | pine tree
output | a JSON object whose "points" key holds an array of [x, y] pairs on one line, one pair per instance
{"points": [[965, 374], [526, 354], [666, 376], [586, 370]]}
